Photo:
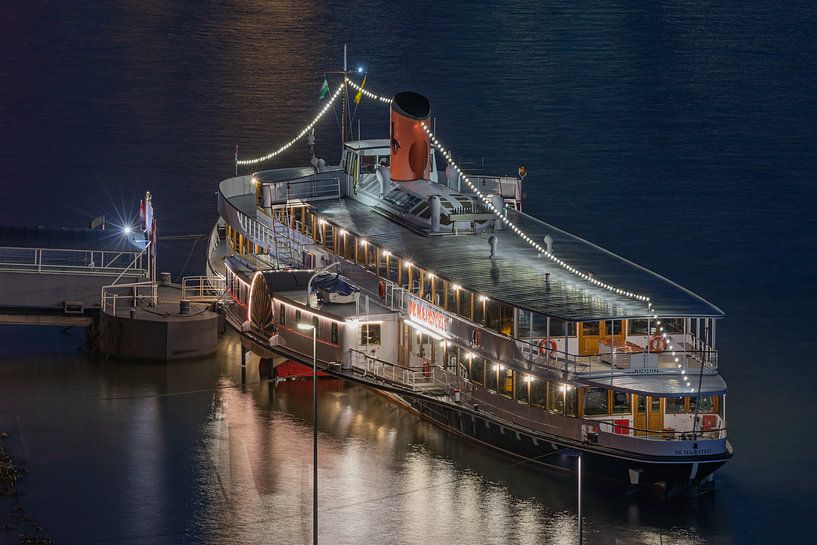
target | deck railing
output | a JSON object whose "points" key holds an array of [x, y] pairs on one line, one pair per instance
{"points": [[411, 377], [314, 188], [538, 351], [203, 288]]}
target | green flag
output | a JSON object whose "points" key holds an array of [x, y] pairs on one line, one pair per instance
{"points": [[324, 89]]}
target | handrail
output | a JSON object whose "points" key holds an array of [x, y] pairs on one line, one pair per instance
{"points": [[109, 301], [605, 426], [203, 288]]}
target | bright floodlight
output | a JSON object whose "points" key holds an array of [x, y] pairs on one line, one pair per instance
{"points": [[127, 229], [302, 325], [359, 69]]}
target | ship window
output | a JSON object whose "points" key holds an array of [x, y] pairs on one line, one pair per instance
{"points": [[506, 382], [613, 327], [675, 405], [393, 264], [465, 303], [334, 333], [367, 164], [672, 325], [316, 324], [595, 401], [559, 396], [707, 405], [590, 328], [499, 317], [621, 402], [478, 370], [637, 327], [557, 328], [282, 316], [522, 386], [297, 317], [370, 335], [538, 393], [491, 377]]}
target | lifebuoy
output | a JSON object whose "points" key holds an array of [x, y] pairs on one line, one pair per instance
{"points": [[382, 289], [426, 368], [543, 343], [476, 336], [658, 344]]}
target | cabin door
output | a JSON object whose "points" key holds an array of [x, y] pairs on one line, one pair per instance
{"points": [[649, 414], [589, 335]]}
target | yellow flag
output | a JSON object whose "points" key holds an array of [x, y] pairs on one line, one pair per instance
{"points": [[359, 94]]}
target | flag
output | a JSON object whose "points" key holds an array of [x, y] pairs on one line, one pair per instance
{"points": [[359, 94], [324, 89]]}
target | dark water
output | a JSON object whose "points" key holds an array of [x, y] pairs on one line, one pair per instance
{"points": [[681, 135]]}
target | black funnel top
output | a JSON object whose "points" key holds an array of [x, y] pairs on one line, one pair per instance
{"points": [[411, 105]]}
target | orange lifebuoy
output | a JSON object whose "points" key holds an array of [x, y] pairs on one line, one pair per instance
{"points": [[543, 343], [658, 344], [426, 368], [382, 289], [476, 336]]}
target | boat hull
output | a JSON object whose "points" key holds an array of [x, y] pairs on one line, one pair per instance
{"points": [[552, 452]]}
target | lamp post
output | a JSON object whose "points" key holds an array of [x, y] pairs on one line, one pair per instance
{"points": [[311, 278], [578, 455], [304, 326]]}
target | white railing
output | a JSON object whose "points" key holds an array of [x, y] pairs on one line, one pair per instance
{"points": [[67, 261], [124, 297], [203, 288], [414, 378], [306, 189]]}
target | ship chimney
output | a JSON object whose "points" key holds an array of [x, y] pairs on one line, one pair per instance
{"points": [[409, 142]]}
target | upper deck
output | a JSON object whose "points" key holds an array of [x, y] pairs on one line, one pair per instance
{"points": [[517, 274]]}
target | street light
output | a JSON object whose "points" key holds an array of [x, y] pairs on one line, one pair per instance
{"points": [[578, 455], [307, 327]]}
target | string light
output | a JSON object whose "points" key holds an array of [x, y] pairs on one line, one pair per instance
{"points": [[501, 215], [245, 162], [368, 93]]}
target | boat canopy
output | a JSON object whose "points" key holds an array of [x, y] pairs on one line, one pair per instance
{"points": [[335, 283]]}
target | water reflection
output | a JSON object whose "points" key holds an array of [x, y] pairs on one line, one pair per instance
{"points": [[127, 452]]}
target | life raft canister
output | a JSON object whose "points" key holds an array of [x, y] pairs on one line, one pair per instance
{"points": [[381, 289], [658, 344], [544, 342]]}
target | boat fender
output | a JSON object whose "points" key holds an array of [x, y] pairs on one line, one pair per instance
{"points": [[658, 344], [543, 343]]}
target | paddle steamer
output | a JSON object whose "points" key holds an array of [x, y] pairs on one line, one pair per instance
{"points": [[439, 289]]}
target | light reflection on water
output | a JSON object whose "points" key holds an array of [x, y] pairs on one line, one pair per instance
{"points": [[133, 453]]}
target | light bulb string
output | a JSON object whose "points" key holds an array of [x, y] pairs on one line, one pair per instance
{"points": [[521, 234]]}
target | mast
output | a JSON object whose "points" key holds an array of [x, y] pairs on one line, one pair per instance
{"points": [[346, 119]]}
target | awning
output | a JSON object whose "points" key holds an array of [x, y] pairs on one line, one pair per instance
{"points": [[661, 385]]}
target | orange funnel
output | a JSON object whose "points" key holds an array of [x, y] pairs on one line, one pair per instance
{"points": [[409, 142]]}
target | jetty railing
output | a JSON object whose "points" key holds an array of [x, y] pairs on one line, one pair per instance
{"points": [[70, 261], [124, 297]]}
